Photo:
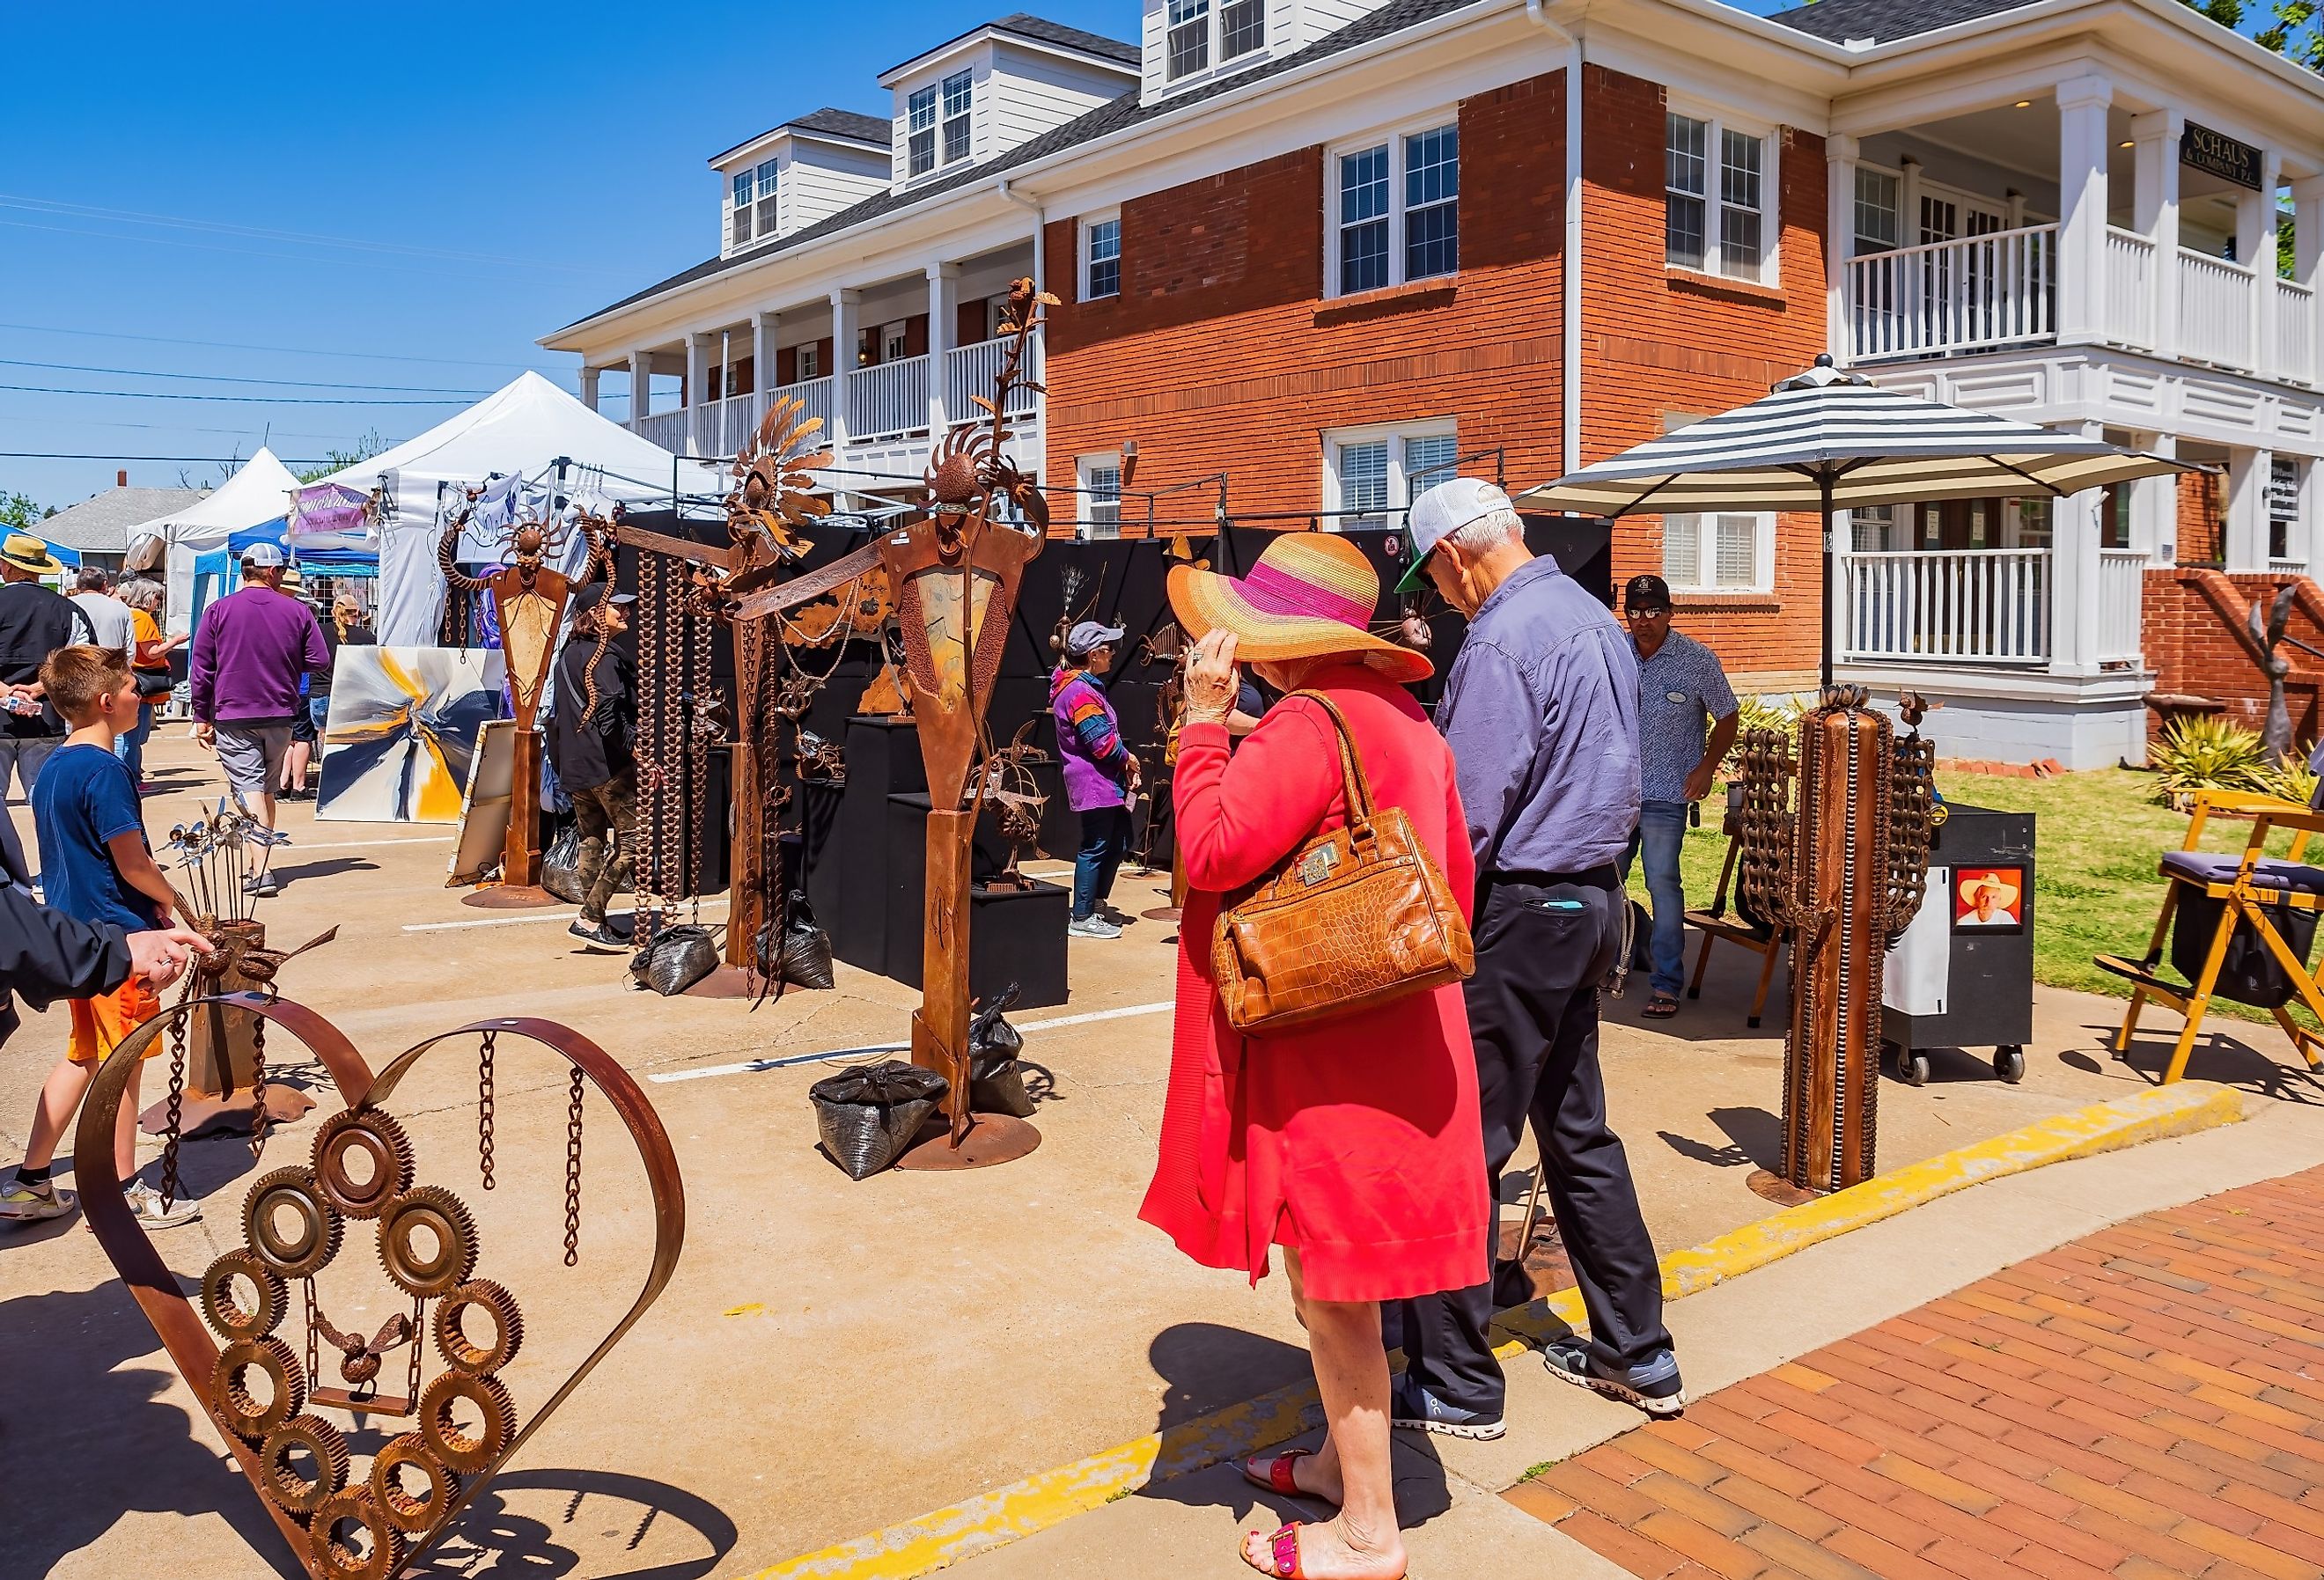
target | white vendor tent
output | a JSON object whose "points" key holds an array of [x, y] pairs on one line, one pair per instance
{"points": [[258, 493], [521, 430]]}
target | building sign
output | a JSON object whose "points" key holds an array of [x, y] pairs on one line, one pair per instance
{"points": [[2221, 155]]}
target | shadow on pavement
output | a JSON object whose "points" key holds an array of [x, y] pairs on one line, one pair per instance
{"points": [[1755, 1137], [2268, 1070], [491, 1541], [1206, 1366]]}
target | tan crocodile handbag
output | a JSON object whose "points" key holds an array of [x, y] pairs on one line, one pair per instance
{"points": [[1349, 920]]}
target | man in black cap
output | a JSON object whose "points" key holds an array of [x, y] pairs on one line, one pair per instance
{"points": [[597, 725], [1681, 687]]}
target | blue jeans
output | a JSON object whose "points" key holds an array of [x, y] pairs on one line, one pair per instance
{"points": [[1662, 831], [1105, 839], [129, 744]]}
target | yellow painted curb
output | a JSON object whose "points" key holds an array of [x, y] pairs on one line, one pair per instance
{"points": [[932, 1542]]}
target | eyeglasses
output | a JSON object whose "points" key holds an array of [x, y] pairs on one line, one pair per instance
{"points": [[1646, 614]]}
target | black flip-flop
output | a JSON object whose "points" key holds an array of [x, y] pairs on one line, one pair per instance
{"points": [[1661, 1007]]}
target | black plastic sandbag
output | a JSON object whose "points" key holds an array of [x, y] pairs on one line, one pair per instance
{"points": [[678, 957], [867, 1115], [996, 1077], [560, 865], [805, 958]]}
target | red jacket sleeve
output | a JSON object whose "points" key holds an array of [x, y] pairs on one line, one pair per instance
{"points": [[1240, 815]]}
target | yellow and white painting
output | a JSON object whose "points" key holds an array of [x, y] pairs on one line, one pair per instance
{"points": [[402, 729]]}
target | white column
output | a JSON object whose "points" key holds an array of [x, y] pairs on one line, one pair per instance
{"points": [[844, 308], [763, 329], [589, 387], [2246, 548], [2082, 103], [2155, 505], [640, 386], [2074, 585], [943, 295], [1838, 243], [2307, 526], [2155, 214], [2256, 220], [698, 380], [2308, 269]]}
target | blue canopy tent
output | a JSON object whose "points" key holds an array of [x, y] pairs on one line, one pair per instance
{"points": [[219, 571]]}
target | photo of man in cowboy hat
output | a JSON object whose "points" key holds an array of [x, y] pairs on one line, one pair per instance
{"points": [[35, 621]]}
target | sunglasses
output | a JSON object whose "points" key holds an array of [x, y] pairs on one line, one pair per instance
{"points": [[1649, 613]]}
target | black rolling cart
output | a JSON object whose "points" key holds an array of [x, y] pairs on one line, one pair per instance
{"points": [[1962, 975]]}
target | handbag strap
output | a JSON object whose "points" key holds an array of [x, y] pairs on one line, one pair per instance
{"points": [[1356, 785]]}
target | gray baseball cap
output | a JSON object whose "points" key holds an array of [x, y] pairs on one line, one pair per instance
{"points": [[1089, 636]]}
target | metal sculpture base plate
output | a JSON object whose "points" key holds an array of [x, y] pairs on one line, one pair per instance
{"points": [[727, 982], [511, 897], [1162, 913], [228, 1115], [992, 1138], [1778, 1189]]}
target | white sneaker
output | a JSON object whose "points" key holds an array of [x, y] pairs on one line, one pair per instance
{"points": [[146, 1202], [1092, 926]]}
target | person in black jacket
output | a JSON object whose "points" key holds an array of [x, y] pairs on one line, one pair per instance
{"points": [[595, 724]]}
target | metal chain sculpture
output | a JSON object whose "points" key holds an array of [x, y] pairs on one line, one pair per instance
{"points": [[296, 1220], [1835, 851], [528, 602]]}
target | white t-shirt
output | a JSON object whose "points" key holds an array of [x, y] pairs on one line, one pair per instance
{"points": [[111, 619]]}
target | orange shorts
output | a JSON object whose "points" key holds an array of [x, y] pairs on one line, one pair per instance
{"points": [[99, 1024]]}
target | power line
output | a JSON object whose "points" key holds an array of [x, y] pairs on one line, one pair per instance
{"points": [[265, 433], [229, 378], [282, 350], [238, 400], [179, 460], [171, 241]]}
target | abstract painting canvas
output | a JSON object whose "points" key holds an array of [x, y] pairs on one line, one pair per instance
{"points": [[402, 729]]}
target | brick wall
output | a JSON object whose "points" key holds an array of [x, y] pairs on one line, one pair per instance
{"points": [[2193, 635], [1659, 344], [2203, 518]]}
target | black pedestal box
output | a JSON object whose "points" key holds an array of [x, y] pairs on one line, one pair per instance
{"points": [[1013, 935], [883, 759], [1964, 977]]}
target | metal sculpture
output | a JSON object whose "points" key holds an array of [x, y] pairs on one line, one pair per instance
{"points": [[297, 1220], [1009, 785], [1835, 849], [2276, 737], [528, 602]]}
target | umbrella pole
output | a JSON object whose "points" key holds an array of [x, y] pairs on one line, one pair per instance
{"points": [[1824, 669]]}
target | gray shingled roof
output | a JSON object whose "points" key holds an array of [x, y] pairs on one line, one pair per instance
{"points": [[1072, 38], [101, 525], [1107, 118], [1884, 20], [845, 123]]}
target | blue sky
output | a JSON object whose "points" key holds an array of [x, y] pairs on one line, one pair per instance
{"points": [[483, 173]]}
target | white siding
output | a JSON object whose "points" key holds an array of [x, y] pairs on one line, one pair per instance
{"points": [[821, 180], [977, 58], [1291, 27], [1032, 93]]}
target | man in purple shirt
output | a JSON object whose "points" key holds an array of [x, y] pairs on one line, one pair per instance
{"points": [[1541, 710], [250, 652]]}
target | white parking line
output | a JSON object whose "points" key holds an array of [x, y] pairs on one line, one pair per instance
{"points": [[752, 1066], [530, 916], [297, 846]]}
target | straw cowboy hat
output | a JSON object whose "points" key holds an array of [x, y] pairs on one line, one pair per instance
{"points": [[26, 552], [1310, 594], [2005, 893]]}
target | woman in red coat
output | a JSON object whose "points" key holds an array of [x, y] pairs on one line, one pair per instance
{"points": [[1352, 1144]]}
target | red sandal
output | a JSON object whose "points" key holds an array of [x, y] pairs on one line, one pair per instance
{"points": [[1279, 1476], [1283, 1549]]}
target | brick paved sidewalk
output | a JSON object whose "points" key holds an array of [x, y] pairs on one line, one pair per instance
{"points": [[2146, 1403]]}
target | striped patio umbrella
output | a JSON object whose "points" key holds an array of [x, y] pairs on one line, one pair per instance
{"points": [[1828, 440]]}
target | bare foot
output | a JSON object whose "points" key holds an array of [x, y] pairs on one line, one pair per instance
{"points": [[1329, 1552]]}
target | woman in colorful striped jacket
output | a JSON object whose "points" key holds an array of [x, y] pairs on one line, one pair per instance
{"points": [[1101, 773]]}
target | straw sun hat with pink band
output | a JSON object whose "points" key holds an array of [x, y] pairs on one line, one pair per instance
{"points": [[1311, 594]]}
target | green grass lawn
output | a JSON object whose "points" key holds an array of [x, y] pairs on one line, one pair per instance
{"points": [[2098, 836]]}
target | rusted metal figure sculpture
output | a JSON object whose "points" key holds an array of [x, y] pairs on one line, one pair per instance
{"points": [[529, 600], [1835, 849], [296, 1221]]}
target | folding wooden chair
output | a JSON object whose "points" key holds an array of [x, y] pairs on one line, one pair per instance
{"points": [[1715, 923], [2255, 888]]}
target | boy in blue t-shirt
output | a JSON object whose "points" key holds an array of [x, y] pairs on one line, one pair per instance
{"points": [[95, 867]]}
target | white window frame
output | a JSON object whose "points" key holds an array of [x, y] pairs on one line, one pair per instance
{"points": [[738, 208], [1211, 20], [1089, 222], [965, 79], [1399, 483], [1718, 123], [1098, 518], [1399, 139], [1706, 556], [806, 362], [896, 333]]}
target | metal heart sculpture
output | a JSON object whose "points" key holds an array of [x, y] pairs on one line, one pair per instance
{"points": [[427, 1244]]}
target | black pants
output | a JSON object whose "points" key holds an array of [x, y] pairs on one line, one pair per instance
{"points": [[1533, 1016], [1105, 839]]}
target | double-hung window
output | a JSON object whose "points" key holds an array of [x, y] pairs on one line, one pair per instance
{"points": [[1718, 184], [1102, 247], [937, 121], [1197, 32], [1100, 482], [959, 101], [1372, 474], [1722, 553], [1397, 211], [810, 361], [741, 207]]}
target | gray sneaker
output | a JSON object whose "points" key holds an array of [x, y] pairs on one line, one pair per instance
{"points": [[146, 1202], [1414, 1408], [1653, 1386], [27, 1203], [1092, 926]]}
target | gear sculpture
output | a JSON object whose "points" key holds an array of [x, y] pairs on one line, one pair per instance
{"points": [[1835, 849]]}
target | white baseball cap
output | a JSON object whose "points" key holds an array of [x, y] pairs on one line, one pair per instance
{"points": [[265, 556], [1442, 511]]}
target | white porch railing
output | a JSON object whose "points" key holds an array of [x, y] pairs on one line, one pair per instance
{"points": [[727, 425], [969, 373], [2122, 576], [890, 398], [666, 429], [2129, 287], [1974, 605], [814, 396], [1983, 291], [2295, 332], [2215, 310]]}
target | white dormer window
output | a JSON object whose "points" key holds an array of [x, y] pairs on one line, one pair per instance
{"points": [[1203, 31], [754, 203], [741, 207], [940, 121]]}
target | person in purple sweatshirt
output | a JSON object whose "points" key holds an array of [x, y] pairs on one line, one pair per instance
{"points": [[250, 652], [1101, 773]]}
